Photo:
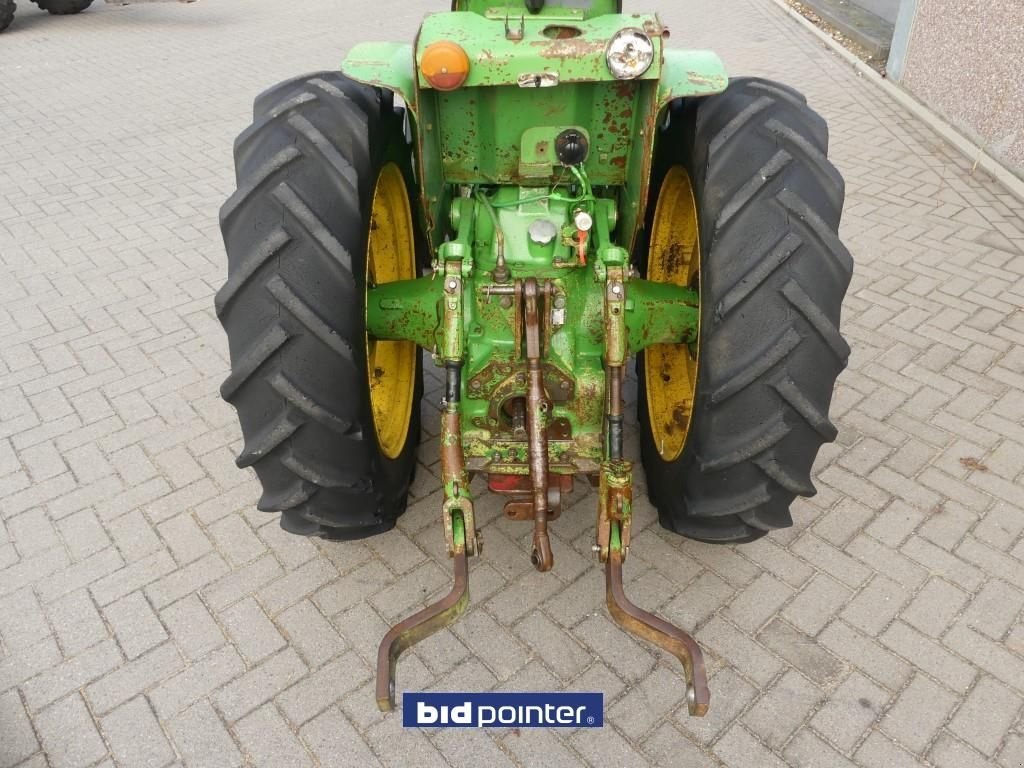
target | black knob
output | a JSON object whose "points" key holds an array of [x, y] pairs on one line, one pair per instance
{"points": [[535, 6], [572, 147]]}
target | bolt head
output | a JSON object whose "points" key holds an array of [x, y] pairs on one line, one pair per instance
{"points": [[584, 221]]}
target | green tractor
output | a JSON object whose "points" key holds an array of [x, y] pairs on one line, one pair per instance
{"points": [[534, 193], [56, 7]]}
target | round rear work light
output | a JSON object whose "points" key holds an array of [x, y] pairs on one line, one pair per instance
{"points": [[630, 54], [445, 65]]}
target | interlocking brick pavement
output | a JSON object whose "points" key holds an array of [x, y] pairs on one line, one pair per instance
{"points": [[149, 616]]}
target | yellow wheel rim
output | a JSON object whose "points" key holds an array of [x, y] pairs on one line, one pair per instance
{"points": [[670, 370], [391, 256]]}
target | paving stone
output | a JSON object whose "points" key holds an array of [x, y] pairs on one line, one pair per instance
{"points": [[22, 621], [202, 740], [701, 598], [336, 744], [606, 747], [196, 682], [133, 536], [399, 747], [83, 534], [133, 678], [258, 685], [759, 602], [948, 752], [878, 751], [477, 631], [984, 719], [737, 748], [541, 747], [16, 668], [867, 655], [311, 634], [132, 577], [236, 540], [79, 575], [1013, 753], [193, 628], [994, 609], [266, 737], [609, 642], [559, 650], [77, 622], [252, 632], [647, 703], [935, 607], [320, 690], [68, 734], [186, 580], [135, 624], [19, 740], [807, 750], [814, 607], [185, 538], [803, 652], [929, 655], [71, 675], [135, 737], [918, 713], [33, 531], [851, 709]]}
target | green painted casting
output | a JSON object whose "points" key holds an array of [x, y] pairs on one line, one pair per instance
{"points": [[406, 310], [657, 313], [477, 134], [487, 163]]}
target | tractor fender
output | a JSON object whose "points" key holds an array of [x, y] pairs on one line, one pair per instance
{"points": [[691, 73], [391, 66]]}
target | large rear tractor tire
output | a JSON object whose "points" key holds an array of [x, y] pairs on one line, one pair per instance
{"points": [[330, 418], [748, 211], [7, 9], [63, 7]]}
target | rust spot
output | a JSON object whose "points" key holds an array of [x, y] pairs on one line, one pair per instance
{"points": [[562, 32], [675, 258], [573, 48], [624, 89], [619, 162], [680, 416], [698, 79]]}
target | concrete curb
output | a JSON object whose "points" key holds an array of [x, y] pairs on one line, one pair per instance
{"points": [[968, 148]]}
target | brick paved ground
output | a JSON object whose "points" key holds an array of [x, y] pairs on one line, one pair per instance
{"points": [[148, 615]]}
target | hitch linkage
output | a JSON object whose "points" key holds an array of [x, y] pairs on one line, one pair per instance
{"points": [[614, 515]]}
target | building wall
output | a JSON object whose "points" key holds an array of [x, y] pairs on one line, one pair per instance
{"points": [[965, 60]]}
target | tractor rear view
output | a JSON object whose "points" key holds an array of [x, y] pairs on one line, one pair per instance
{"points": [[535, 193]]}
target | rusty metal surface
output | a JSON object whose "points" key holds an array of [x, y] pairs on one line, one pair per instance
{"points": [[456, 485], [417, 628], [537, 409], [639, 622]]}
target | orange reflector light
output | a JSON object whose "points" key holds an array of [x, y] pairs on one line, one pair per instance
{"points": [[445, 65]]}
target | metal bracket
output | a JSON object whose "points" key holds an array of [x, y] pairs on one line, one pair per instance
{"points": [[422, 625], [658, 631]]}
